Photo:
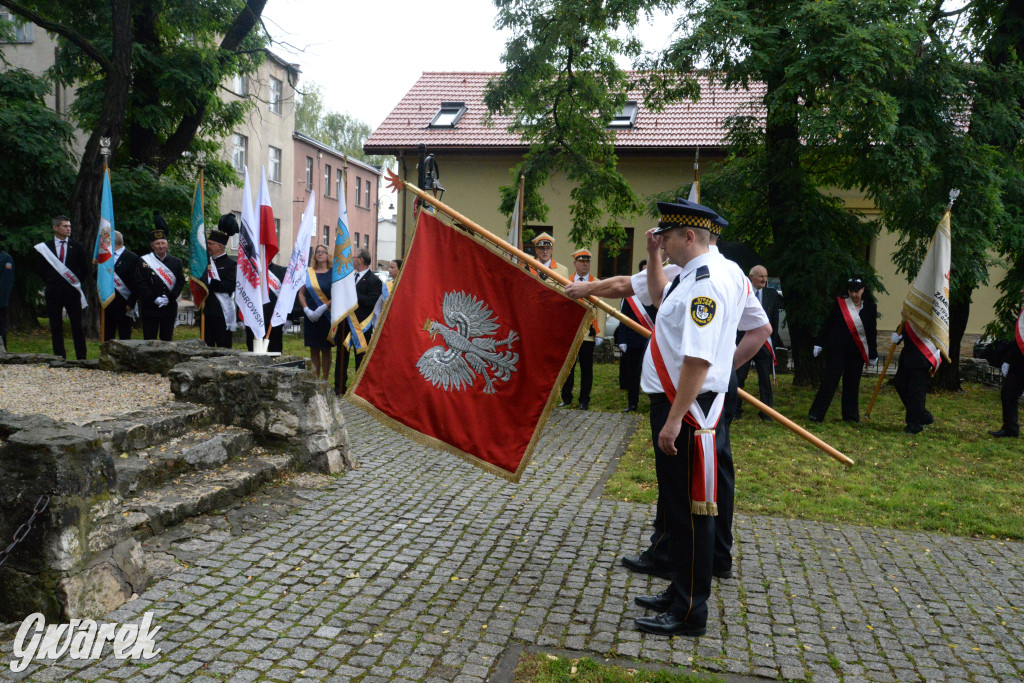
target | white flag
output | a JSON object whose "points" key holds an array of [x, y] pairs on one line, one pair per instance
{"points": [[247, 285], [298, 264], [266, 215], [926, 307]]}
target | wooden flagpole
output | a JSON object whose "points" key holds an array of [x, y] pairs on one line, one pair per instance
{"points": [[202, 204], [522, 210], [881, 376], [397, 183]]}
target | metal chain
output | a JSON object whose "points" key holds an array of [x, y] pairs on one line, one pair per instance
{"points": [[23, 530]]}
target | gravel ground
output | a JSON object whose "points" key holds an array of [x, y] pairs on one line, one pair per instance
{"points": [[77, 395]]}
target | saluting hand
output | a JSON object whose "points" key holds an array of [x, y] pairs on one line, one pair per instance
{"points": [[654, 245], [669, 434]]}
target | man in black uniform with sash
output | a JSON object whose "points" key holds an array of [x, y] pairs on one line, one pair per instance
{"points": [[219, 312], [62, 264], [163, 280], [119, 314]]}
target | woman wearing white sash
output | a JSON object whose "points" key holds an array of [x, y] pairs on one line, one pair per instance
{"points": [[316, 304], [848, 339]]}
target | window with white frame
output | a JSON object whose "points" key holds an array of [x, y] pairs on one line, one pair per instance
{"points": [[240, 153], [23, 30], [274, 172], [356, 242], [327, 180], [327, 233], [448, 115], [240, 85], [367, 202], [309, 173], [274, 100], [366, 241], [626, 117], [337, 184], [359, 190]]}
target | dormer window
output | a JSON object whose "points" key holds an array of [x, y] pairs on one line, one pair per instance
{"points": [[626, 116], [448, 115]]}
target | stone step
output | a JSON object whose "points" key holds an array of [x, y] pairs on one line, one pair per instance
{"points": [[204, 448], [198, 492], [150, 425]]}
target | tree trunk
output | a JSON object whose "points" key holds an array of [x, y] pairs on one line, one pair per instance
{"points": [[85, 199], [948, 376]]}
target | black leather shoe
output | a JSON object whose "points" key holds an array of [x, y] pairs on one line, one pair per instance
{"points": [[667, 624], [631, 409], [811, 418], [659, 603], [585, 406], [1002, 433], [642, 565], [928, 419], [913, 429], [563, 404], [722, 573]]}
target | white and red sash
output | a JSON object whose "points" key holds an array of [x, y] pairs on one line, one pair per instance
{"points": [[62, 270], [640, 312], [1020, 331], [704, 488], [162, 271], [856, 326], [274, 282], [927, 348], [771, 352]]}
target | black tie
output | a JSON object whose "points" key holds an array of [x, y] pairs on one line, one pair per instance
{"points": [[357, 278], [675, 283]]}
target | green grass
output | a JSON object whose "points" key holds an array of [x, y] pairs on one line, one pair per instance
{"points": [[541, 668], [952, 477]]}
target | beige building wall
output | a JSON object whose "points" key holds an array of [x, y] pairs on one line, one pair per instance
{"points": [[264, 129], [471, 187]]}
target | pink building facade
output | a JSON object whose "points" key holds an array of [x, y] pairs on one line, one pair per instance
{"points": [[323, 170]]}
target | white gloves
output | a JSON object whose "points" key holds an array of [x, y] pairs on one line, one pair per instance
{"points": [[873, 361], [1005, 369], [896, 339], [622, 347], [162, 301], [311, 314], [598, 341], [816, 351]]}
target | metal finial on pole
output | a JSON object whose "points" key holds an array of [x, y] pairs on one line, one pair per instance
{"points": [[953, 194], [105, 150]]}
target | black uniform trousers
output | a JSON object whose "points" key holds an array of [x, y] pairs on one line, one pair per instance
{"points": [[161, 324], [631, 365], [762, 361], [3, 325], [56, 304], [341, 366], [658, 551], [911, 383], [116, 320], [276, 333], [690, 538], [585, 361], [847, 366], [215, 330], [1013, 387]]}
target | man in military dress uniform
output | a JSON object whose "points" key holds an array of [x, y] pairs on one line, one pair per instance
{"points": [[543, 246], [163, 281], [121, 311], [219, 311]]}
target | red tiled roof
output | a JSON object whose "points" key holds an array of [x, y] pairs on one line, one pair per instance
{"points": [[685, 124]]}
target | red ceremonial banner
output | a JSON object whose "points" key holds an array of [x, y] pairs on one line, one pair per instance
{"points": [[470, 351]]}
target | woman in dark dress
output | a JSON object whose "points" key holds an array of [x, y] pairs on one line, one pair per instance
{"points": [[848, 339], [316, 304]]}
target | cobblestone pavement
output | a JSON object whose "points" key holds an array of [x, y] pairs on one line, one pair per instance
{"points": [[418, 567]]}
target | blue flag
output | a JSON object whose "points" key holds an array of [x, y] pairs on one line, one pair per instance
{"points": [[103, 253]]}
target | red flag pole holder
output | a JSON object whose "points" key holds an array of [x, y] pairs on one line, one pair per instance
{"points": [[397, 183]]}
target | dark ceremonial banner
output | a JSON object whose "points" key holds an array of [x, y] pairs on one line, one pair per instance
{"points": [[470, 351]]}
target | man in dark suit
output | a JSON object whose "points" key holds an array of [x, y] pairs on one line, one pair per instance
{"points": [[163, 280], [219, 311], [119, 314], [368, 289], [63, 265], [763, 360], [632, 344], [1012, 367]]}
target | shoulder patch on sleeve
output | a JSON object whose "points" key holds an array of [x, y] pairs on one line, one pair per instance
{"points": [[702, 310], [702, 273]]}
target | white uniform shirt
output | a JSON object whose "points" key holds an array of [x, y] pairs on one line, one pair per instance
{"points": [[751, 315], [639, 282], [695, 321]]}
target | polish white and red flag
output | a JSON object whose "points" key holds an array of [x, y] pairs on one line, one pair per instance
{"points": [[268, 234]]}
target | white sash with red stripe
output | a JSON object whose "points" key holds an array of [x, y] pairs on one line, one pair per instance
{"points": [[927, 348], [162, 271], [771, 352], [640, 312], [855, 325], [62, 270], [1020, 331], [274, 282]]}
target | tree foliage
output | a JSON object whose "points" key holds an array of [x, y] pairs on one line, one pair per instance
{"points": [[343, 132]]}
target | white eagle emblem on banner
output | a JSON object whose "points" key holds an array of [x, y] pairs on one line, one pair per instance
{"points": [[467, 350]]}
